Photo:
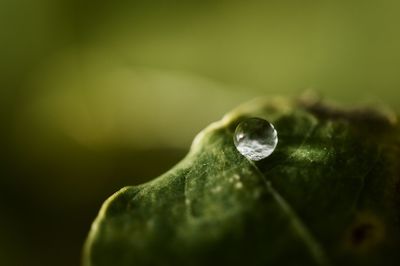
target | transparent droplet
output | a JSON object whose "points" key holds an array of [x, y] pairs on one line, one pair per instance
{"points": [[255, 138]]}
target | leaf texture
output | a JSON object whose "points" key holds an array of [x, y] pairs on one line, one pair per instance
{"points": [[328, 195]]}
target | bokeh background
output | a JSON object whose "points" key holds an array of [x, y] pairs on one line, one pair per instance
{"points": [[96, 95]]}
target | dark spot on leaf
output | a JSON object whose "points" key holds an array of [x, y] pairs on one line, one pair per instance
{"points": [[366, 232], [361, 233]]}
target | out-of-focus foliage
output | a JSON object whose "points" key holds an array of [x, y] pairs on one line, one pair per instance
{"points": [[92, 92]]}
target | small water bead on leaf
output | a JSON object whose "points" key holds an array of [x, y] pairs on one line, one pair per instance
{"points": [[255, 138]]}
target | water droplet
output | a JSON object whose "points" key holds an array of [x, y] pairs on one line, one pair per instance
{"points": [[255, 138]]}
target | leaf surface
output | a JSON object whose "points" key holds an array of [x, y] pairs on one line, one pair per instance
{"points": [[328, 195]]}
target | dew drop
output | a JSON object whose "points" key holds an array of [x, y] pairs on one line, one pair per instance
{"points": [[255, 138]]}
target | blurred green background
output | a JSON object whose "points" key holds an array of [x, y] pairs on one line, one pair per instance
{"points": [[96, 95]]}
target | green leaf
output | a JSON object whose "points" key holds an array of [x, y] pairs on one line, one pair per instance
{"points": [[328, 195]]}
